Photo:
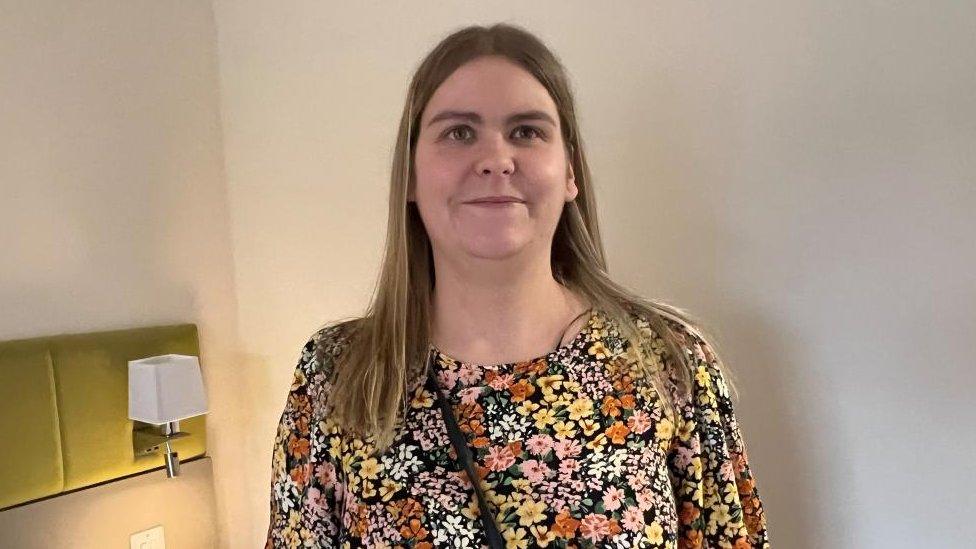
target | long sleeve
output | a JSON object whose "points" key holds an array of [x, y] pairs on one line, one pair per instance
{"points": [[716, 495], [304, 510]]}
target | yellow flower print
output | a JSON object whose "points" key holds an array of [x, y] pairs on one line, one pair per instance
{"points": [[527, 407], [730, 492], [521, 485], [388, 488], [368, 489], [347, 460], [543, 418], [515, 539], [369, 468], [654, 532], [580, 408], [589, 426], [353, 483], [293, 519], [543, 536], [531, 511], [703, 377], [562, 400], [598, 350], [720, 517], [471, 510], [335, 447], [597, 443], [422, 399], [664, 429], [549, 383], [564, 429]]}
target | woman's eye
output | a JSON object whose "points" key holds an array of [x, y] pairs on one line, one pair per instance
{"points": [[532, 129], [453, 132], [464, 133]]}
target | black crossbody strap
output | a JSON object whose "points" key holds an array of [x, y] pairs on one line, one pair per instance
{"points": [[495, 540]]}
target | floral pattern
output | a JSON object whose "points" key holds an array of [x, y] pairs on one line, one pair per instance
{"points": [[572, 449]]}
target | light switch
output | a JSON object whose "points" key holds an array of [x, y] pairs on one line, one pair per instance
{"points": [[148, 539]]}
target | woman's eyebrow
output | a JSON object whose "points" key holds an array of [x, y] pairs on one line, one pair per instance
{"points": [[476, 118]]}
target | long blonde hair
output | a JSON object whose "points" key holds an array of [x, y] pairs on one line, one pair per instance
{"points": [[388, 344]]}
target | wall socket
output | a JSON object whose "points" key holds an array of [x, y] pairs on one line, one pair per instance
{"points": [[148, 539]]}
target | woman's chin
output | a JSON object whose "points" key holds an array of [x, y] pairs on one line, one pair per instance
{"points": [[494, 248]]}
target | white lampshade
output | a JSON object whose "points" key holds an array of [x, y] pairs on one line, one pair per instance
{"points": [[165, 388]]}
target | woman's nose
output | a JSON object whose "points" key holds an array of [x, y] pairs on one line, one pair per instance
{"points": [[497, 158]]}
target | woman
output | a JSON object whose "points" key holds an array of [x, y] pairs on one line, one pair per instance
{"points": [[497, 348]]}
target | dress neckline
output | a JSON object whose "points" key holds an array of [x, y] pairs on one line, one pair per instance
{"points": [[584, 331]]}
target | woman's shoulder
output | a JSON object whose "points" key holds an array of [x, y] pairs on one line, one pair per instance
{"points": [[325, 346], [674, 322], [699, 360]]}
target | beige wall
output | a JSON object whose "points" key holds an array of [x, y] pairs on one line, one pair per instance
{"points": [[103, 517], [113, 214], [800, 174]]}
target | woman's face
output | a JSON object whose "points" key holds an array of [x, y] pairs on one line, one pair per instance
{"points": [[491, 130]]}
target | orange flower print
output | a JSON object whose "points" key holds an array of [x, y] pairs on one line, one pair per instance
{"points": [[692, 540], [521, 390], [413, 530], [689, 512], [617, 432], [610, 407], [565, 526], [298, 447], [300, 474]]}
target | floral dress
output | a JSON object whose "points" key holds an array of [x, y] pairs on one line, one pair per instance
{"points": [[573, 448]]}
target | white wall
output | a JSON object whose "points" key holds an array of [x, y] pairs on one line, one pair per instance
{"points": [[808, 170]]}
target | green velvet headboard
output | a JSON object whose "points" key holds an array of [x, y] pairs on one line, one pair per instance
{"points": [[64, 421]]}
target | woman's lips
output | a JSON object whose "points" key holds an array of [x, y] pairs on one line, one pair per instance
{"points": [[495, 204], [486, 204]]}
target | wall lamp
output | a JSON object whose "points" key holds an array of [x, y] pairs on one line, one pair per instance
{"points": [[163, 390]]}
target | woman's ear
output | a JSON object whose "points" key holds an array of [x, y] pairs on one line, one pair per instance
{"points": [[571, 189]]}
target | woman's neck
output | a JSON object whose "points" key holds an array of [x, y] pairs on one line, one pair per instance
{"points": [[493, 320]]}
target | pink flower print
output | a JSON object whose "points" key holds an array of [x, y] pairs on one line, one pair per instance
{"points": [[639, 422], [325, 474], [568, 448], [470, 395], [612, 498], [534, 470], [315, 502], [725, 471], [682, 456], [568, 466], [594, 526], [633, 519], [645, 499], [539, 444], [468, 374], [447, 378], [499, 458]]}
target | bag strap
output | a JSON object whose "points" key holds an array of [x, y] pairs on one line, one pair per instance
{"points": [[495, 540]]}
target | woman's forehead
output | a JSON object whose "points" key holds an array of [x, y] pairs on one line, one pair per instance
{"points": [[492, 87]]}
